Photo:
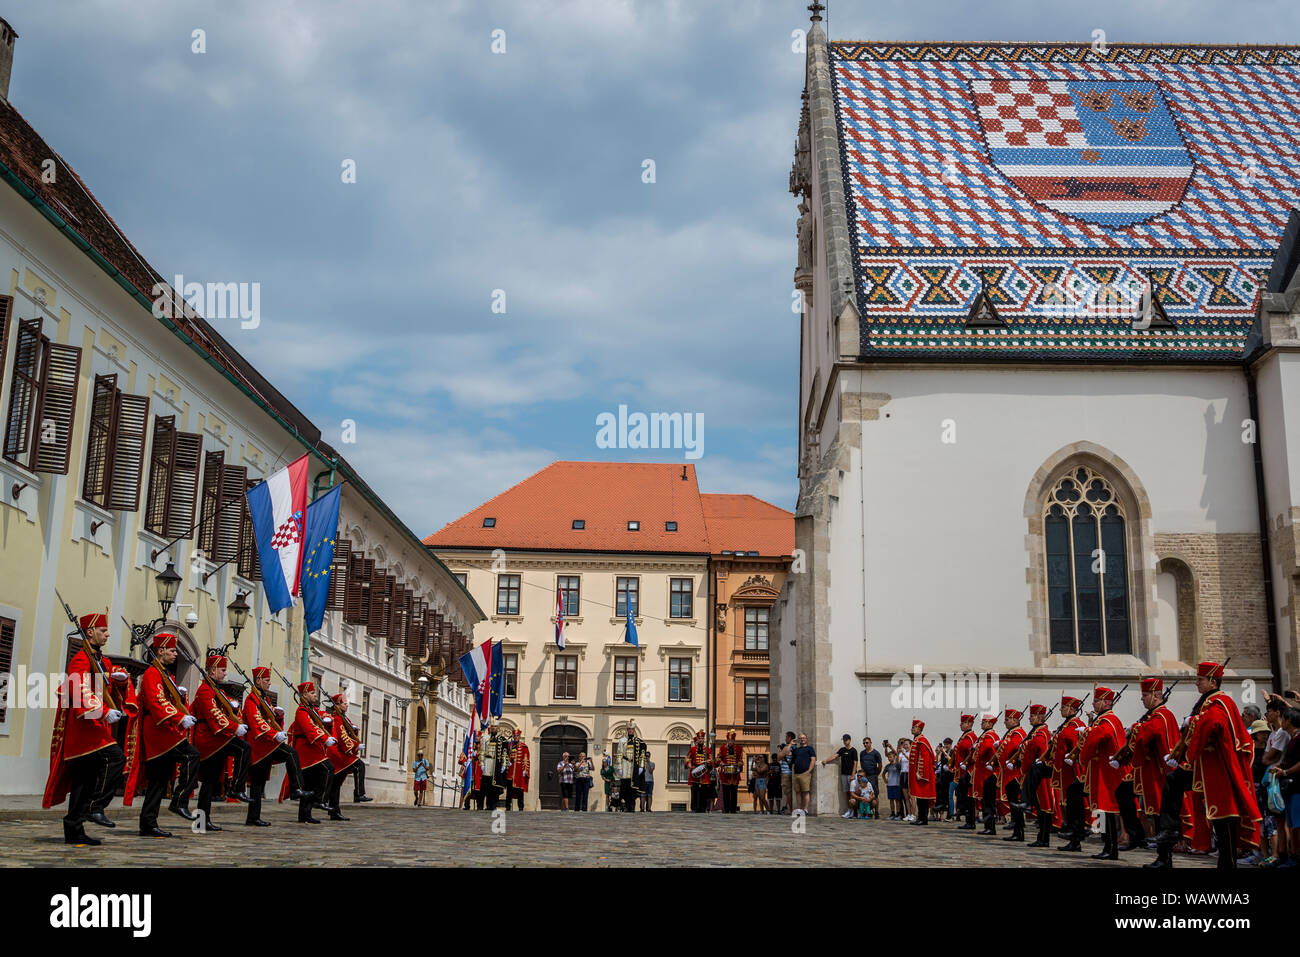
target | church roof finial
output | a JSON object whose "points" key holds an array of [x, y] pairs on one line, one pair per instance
{"points": [[816, 8]]}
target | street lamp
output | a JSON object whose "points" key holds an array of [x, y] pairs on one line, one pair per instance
{"points": [[237, 614], [168, 583]]}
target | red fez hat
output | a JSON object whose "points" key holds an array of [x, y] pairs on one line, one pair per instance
{"points": [[518, 732], [216, 661], [1037, 710], [917, 725], [94, 620], [1070, 701], [1012, 713], [968, 717], [306, 686], [1209, 669], [260, 672], [989, 717], [338, 698], [164, 639], [1152, 684], [1100, 694], [731, 735]]}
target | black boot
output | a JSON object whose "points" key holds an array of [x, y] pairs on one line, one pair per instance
{"points": [[76, 834], [1164, 858], [182, 810], [100, 818]]}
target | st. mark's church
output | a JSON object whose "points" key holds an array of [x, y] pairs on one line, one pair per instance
{"points": [[1049, 408]]}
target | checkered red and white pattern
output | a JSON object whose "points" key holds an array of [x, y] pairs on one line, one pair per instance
{"points": [[289, 532], [1031, 113]]}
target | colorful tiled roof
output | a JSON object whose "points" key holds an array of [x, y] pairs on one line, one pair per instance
{"points": [[743, 523], [540, 511], [1064, 181]]}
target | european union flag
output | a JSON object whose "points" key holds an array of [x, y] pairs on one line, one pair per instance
{"points": [[320, 530], [630, 636], [497, 682]]}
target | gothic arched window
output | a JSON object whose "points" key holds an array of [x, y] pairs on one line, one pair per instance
{"points": [[1087, 566]]}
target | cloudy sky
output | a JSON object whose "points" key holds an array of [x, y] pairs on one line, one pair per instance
{"points": [[478, 171]]}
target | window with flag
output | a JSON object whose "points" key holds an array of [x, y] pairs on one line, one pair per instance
{"points": [[625, 678], [173, 479], [566, 677], [679, 679], [756, 701], [507, 594], [511, 666], [677, 773], [114, 446], [42, 401], [569, 588], [625, 591], [680, 598], [756, 628], [249, 565]]}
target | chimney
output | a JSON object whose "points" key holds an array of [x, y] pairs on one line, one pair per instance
{"points": [[7, 37]]}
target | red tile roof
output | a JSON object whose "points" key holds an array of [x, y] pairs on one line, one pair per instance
{"points": [[739, 523], [539, 513]]}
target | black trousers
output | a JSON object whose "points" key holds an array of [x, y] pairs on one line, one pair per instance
{"points": [[965, 803], [210, 771], [1073, 821], [94, 779], [1035, 777], [627, 794], [923, 810], [319, 779], [490, 793], [730, 798], [1128, 813], [260, 773], [515, 796], [1017, 817], [243, 752], [1225, 839], [989, 802], [1170, 827], [158, 772], [699, 798], [1044, 827]]}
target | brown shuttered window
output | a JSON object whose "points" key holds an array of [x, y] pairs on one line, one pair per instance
{"points": [[101, 428], [42, 401], [353, 606], [250, 566], [24, 391], [337, 599], [229, 515], [207, 537], [114, 446], [185, 484], [397, 613], [173, 479], [415, 630], [377, 612], [7, 637]]}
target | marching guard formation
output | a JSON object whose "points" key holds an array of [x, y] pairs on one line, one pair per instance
{"points": [[178, 742]]}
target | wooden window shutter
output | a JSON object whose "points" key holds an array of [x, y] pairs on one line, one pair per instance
{"points": [[184, 485], [229, 516], [408, 612], [337, 600], [24, 391], [377, 613], [96, 480], [249, 566], [353, 608], [58, 408], [162, 454], [367, 589], [396, 613], [7, 638], [415, 630], [207, 538], [128, 452]]}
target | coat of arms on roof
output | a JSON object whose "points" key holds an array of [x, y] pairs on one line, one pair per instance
{"points": [[1107, 152]]}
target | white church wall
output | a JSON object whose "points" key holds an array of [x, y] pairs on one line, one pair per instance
{"points": [[1278, 390]]}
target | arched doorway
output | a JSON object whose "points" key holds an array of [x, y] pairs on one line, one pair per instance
{"points": [[421, 730], [556, 739]]}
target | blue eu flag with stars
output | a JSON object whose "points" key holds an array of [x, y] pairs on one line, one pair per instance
{"points": [[321, 528]]}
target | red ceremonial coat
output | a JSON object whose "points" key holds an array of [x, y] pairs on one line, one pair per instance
{"points": [[261, 732], [215, 727], [961, 751], [699, 754], [986, 753], [308, 739], [1006, 775], [160, 717], [1104, 738], [344, 752], [1035, 749], [731, 761], [1152, 740], [1220, 752], [920, 769], [520, 767], [1064, 775], [80, 726]]}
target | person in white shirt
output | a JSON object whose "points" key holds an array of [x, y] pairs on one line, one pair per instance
{"points": [[904, 751], [862, 797]]}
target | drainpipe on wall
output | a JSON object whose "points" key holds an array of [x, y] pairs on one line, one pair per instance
{"points": [[1261, 502], [710, 629]]}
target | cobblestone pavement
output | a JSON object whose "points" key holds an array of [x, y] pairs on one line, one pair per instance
{"points": [[390, 836]]}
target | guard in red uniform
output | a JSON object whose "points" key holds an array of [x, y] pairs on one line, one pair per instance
{"points": [[345, 755], [218, 725], [520, 769], [961, 758], [1151, 738], [1034, 753], [986, 773], [699, 766], [162, 740], [1220, 751], [1067, 782], [921, 772], [1009, 773], [269, 744], [86, 762], [1102, 769], [312, 741], [731, 761]]}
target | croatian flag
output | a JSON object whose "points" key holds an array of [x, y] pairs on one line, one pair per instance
{"points": [[559, 618], [277, 508], [477, 665]]}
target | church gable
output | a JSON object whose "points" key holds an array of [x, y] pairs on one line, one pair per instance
{"points": [[1125, 203]]}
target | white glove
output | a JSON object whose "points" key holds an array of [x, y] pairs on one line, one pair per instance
{"points": [[327, 719], [182, 689], [1113, 763], [281, 737], [1169, 760], [187, 722], [120, 676], [113, 716], [241, 731], [330, 742], [279, 711], [988, 767], [1070, 761], [1010, 766]]}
